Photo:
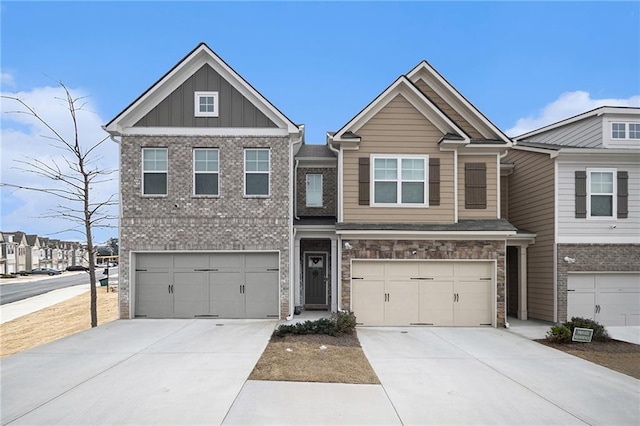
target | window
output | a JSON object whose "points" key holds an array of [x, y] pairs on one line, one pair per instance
{"points": [[205, 171], [154, 171], [399, 180], [601, 184], [206, 104], [314, 190], [256, 172], [619, 131], [634, 130]]}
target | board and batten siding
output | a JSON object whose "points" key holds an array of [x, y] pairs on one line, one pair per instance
{"points": [[531, 208], [491, 211], [447, 109], [586, 133], [398, 129], [574, 230], [178, 109]]}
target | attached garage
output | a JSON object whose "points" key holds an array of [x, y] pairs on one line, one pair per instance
{"points": [[608, 298], [207, 285], [438, 293]]}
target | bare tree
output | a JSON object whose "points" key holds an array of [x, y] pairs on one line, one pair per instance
{"points": [[72, 180]]}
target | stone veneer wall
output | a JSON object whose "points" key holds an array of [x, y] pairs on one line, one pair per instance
{"points": [[329, 191], [181, 221], [592, 258], [426, 250]]}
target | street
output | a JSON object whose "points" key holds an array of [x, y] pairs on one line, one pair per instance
{"points": [[14, 289]]}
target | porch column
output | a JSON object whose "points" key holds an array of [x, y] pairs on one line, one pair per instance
{"points": [[522, 291], [296, 273], [334, 275]]}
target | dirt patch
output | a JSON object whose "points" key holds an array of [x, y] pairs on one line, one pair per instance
{"points": [[55, 322], [315, 358], [620, 356]]}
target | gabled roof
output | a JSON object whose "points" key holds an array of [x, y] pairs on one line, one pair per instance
{"points": [[402, 86], [583, 116], [315, 151], [457, 101], [177, 75]]}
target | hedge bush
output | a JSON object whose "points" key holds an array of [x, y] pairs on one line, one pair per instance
{"points": [[563, 333], [339, 323]]}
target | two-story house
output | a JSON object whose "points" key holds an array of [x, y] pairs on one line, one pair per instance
{"points": [[33, 251], [576, 184], [206, 219], [421, 239]]}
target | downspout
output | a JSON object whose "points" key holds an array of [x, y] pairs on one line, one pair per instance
{"points": [[292, 234], [338, 273], [131, 299]]}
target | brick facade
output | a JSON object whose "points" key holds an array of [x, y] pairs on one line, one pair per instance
{"points": [[592, 258], [181, 221], [329, 192], [428, 249]]}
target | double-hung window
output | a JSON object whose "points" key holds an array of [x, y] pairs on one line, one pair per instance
{"points": [[154, 171], [206, 166], [256, 172], [625, 130], [314, 190], [206, 104], [399, 180], [602, 190]]}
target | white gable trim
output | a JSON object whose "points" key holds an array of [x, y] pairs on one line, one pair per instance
{"points": [[403, 87], [424, 71], [179, 74], [205, 131]]}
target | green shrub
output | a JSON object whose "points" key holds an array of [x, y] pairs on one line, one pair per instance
{"points": [[345, 321], [600, 334], [559, 334]]}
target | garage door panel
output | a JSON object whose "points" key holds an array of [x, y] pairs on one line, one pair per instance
{"points": [[226, 260], [403, 303], [473, 270], [402, 269], [261, 294], [436, 303], [152, 294], [191, 260], [261, 261], [156, 260], [367, 301], [190, 294], [609, 298], [576, 282], [581, 304], [473, 306], [225, 297], [436, 269], [367, 269]]}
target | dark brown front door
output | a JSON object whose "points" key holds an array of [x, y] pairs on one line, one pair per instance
{"points": [[315, 278]]}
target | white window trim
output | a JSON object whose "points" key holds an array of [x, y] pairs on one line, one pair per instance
{"points": [[626, 130], [196, 105], [398, 202], [307, 190], [614, 200], [166, 171], [268, 173], [195, 173]]}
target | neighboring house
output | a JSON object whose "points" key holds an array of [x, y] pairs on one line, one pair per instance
{"points": [[21, 249], [576, 184], [46, 253], [206, 219], [9, 253], [33, 252], [420, 233]]}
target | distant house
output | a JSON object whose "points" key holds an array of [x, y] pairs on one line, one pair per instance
{"points": [[576, 184], [33, 251]]}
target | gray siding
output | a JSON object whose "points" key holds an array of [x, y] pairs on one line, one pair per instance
{"points": [[531, 207], [584, 134], [177, 109]]}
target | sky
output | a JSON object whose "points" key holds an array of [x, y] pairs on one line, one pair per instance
{"points": [[522, 64]]}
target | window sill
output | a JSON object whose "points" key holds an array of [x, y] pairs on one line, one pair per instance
{"points": [[154, 195], [256, 196]]}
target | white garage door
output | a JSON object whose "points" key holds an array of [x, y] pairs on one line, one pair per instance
{"points": [[398, 293], [610, 299], [207, 285]]}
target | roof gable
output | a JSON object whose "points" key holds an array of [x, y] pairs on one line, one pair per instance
{"points": [[449, 99], [402, 86], [200, 56]]}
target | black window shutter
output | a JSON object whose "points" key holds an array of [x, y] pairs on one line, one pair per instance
{"points": [[363, 181], [434, 181], [475, 186], [623, 195], [581, 194]]}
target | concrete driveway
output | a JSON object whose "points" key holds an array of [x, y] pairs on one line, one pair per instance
{"points": [[490, 376], [134, 372]]}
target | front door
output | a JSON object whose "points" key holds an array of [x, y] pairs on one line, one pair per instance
{"points": [[315, 278]]}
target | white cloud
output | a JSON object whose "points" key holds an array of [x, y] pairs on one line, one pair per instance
{"points": [[23, 137], [567, 105], [6, 80]]}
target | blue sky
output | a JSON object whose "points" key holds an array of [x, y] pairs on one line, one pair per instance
{"points": [[523, 64]]}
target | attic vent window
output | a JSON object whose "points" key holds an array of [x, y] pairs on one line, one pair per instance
{"points": [[206, 104]]}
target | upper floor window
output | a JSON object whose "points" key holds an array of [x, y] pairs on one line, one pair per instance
{"points": [[154, 171], [601, 184], [206, 104], [256, 171], [625, 130], [205, 171], [314, 190], [400, 181]]}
